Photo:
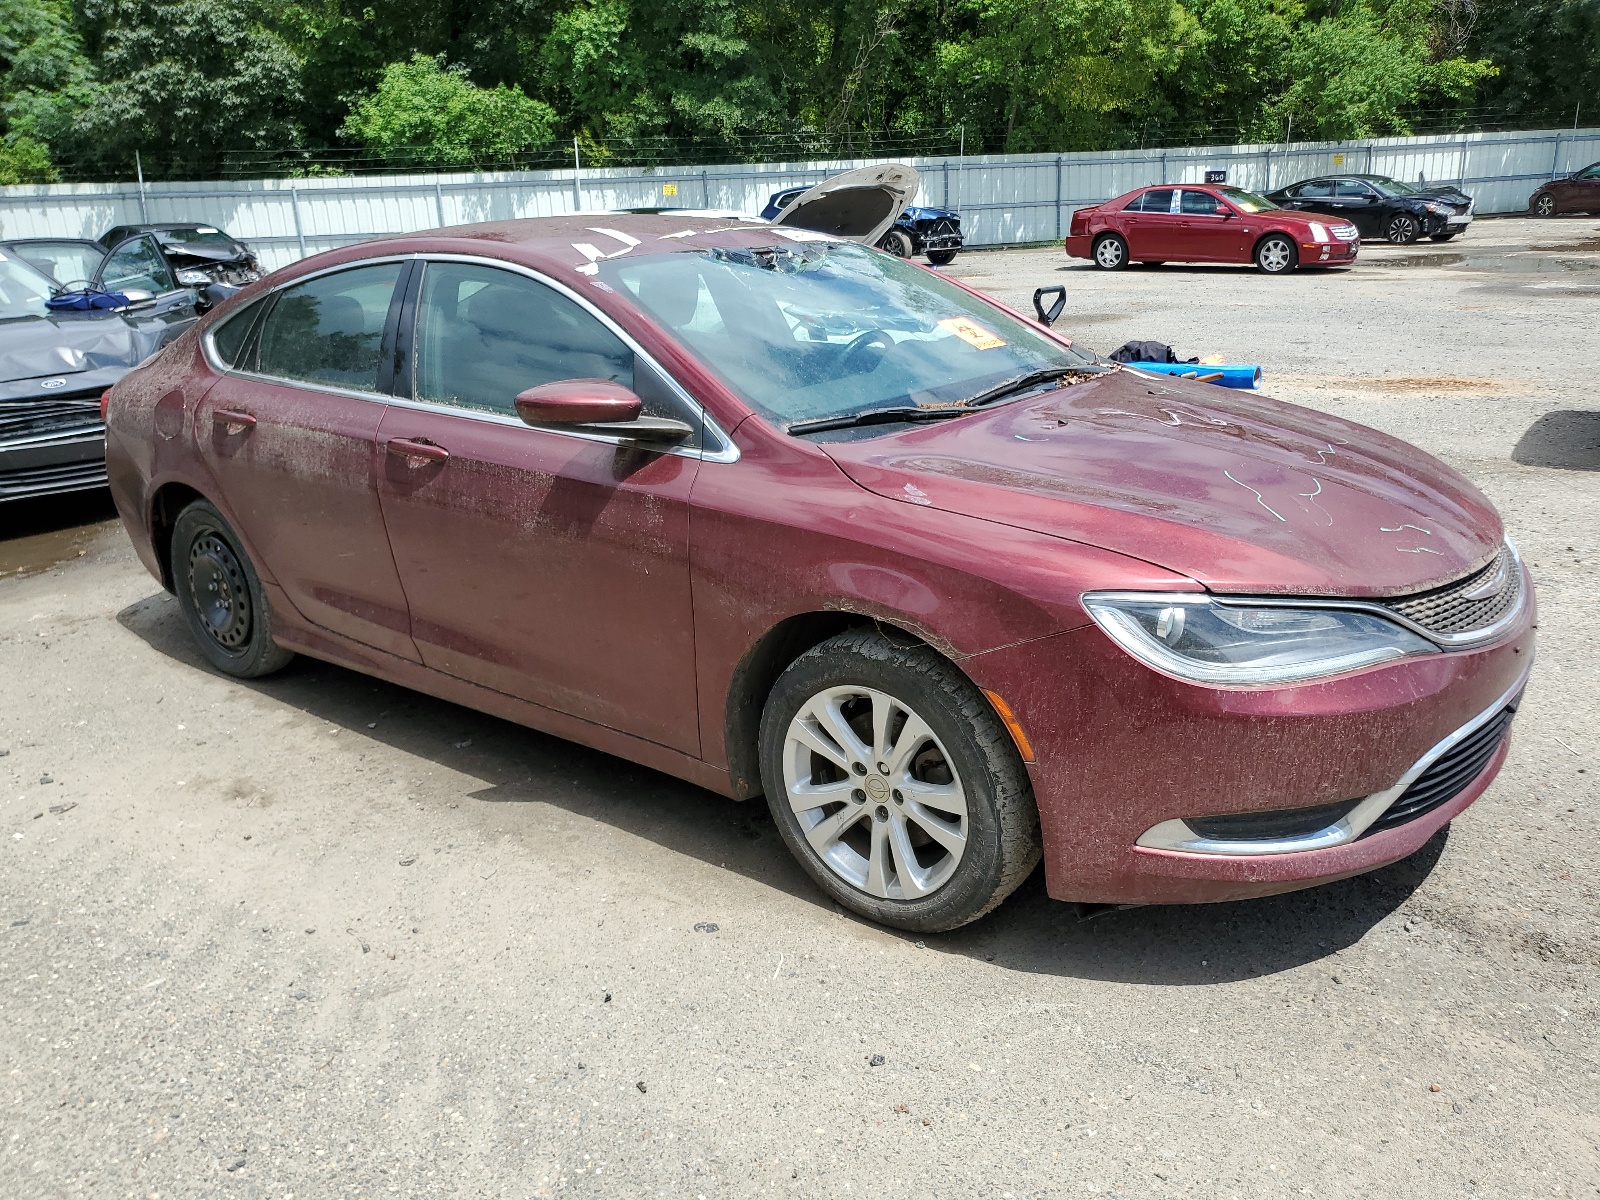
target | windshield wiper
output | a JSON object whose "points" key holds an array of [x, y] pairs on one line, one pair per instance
{"points": [[876, 416], [1020, 383]]}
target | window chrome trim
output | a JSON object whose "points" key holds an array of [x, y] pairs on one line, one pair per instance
{"points": [[725, 450], [1177, 835]]}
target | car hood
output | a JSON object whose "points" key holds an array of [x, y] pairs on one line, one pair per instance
{"points": [[44, 347], [914, 212], [200, 255], [859, 205], [1238, 492]]}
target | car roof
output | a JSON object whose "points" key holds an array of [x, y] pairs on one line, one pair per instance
{"points": [[53, 241]]}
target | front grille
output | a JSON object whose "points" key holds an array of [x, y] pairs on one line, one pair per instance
{"points": [[942, 228], [1346, 233], [48, 417], [1450, 610], [50, 481], [1449, 774]]}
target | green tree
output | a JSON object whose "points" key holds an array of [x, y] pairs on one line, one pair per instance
{"points": [[44, 78], [431, 114]]}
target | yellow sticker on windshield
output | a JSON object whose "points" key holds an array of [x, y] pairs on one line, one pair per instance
{"points": [[970, 332]]}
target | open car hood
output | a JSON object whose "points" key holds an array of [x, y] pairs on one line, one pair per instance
{"points": [[858, 205], [1238, 492]]}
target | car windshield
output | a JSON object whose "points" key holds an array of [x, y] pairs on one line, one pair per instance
{"points": [[69, 263], [1247, 201], [829, 329], [23, 289], [201, 235], [1390, 187]]}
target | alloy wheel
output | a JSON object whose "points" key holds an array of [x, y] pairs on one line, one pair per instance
{"points": [[877, 797], [1546, 206], [1402, 230], [220, 591], [1276, 255], [1108, 252]]}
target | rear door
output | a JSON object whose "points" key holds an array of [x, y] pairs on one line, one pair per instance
{"points": [[290, 436], [1315, 196], [548, 565], [1154, 226]]}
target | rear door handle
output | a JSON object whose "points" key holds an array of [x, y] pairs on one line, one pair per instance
{"points": [[416, 451], [236, 421]]}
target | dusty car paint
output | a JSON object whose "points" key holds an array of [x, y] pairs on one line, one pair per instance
{"points": [[676, 586]]}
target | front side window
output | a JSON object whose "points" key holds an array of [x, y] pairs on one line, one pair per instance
{"points": [[1200, 204], [1590, 172], [138, 266], [484, 335], [826, 329], [329, 330]]}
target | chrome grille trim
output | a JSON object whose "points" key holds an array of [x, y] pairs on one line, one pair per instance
{"points": [[1453, 609]]}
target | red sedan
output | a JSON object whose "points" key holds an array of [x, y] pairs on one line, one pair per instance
{"points": [[784, 515], [1191, 223]]}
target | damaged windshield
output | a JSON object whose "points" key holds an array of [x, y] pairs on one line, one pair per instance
{"points": [[831, 329]]}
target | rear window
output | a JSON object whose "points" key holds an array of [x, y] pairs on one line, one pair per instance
{"points": [[1159, 200]]}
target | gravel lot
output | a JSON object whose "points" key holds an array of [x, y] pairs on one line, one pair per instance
{"points": [[320, 937]]}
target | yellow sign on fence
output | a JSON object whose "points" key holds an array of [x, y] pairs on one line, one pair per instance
{"points": [[1338, 160], [669, 189]]}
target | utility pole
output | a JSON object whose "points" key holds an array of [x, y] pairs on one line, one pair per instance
{"points": [[577, 167], [144, 208]]}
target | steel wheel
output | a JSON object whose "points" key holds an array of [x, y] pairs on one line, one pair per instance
{"points": [[1275, 255], [220, 592], [1111, 252], [875, 793], [1545, 206], [1403, 229]]}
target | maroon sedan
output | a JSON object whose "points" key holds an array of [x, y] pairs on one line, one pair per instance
{"points": [[1575, 193], [1190, 223], [783, 515]]}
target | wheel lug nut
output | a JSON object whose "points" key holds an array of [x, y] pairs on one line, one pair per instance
{"points": [[898, 798], [882, 769], [859, 768], [858, 796], [881, 813]]}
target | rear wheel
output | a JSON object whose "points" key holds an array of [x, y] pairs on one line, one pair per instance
{"points": [[1544, 205], [1275, 254], [1402, 229], [941, 258], [1110, 252], [898, 243], [221, 597], [895, 785]]}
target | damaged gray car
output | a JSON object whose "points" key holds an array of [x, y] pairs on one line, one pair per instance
{"points": [[61, 349]]}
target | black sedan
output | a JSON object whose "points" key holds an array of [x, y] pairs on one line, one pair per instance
{"points": [[1383, 208], [199, 253], [55, 362]]}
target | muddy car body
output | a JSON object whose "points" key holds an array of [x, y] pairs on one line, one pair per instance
{"points": [[1575, 193], [1000, 601]]}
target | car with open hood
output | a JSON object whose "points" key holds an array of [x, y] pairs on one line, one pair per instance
{"points": [[915, 229], [1209, 223], [60, 351], [201, 254], [1382, 208], [783, 515]]}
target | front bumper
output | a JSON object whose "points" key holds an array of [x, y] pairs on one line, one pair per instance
{"points": [[1122, 750]]}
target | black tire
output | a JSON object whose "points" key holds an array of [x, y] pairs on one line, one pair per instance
{"points": [[941, 258], [1110, 252], [1543, 205], [221, 597], [1002, 832], [898, 243], [1402, 229], [1276, 255], [1440, 237]]}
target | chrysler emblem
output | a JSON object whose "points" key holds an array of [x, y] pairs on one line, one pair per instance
{"points": [[58, 382], [1490, 586]]}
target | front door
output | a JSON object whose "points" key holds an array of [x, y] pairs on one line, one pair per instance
{"points": [[1209, 230], [1582, 192], [291, 438], [552, 566], [137, 265], [1356, 201]]}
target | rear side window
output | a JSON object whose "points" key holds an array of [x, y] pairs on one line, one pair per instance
{"points": [[484, 335], [1317, 189], [229, 337], [329, 330], [1200, 204], [1159, 200]]}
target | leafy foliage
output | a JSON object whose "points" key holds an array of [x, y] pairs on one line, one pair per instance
{"points": [[86, 83]]}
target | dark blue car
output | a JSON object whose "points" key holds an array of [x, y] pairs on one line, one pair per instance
{"points": [[935, 232]]}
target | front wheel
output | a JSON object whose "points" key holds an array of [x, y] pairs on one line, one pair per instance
{"points": [[221, 597], [1110, 252], [1275, 254], [1402, 229], [941, 258], [1544, 205], [898, 243], [895, 785]]}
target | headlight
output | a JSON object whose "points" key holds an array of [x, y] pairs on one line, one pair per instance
{"points": [[1206, 640], [193, 277], [1438, 208]]}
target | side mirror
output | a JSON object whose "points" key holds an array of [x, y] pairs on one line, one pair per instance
{"points": [[600, 404], [578, 402], [1048, 317], [1228, 212]]}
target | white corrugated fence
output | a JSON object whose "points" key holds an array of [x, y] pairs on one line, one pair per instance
{"points": [[1004, 199]]}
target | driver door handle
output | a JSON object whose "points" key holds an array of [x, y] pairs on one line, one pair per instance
{"points": [[416, 451], [235, 420]]}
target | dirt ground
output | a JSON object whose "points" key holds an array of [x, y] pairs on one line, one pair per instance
{"points": [[317, 936]]}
